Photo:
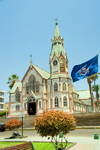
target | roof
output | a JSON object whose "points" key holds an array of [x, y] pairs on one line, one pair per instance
{"points": [[57, 49], [42, 72], [84, 94], [17, 84], [74, 90]]}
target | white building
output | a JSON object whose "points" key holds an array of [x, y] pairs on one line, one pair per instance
{"points": [[39, 90], [2, 100]]}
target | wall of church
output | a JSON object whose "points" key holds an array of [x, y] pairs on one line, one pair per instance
{"points": [[40, 111], [48, 86], [13, 107], [15, 114]]}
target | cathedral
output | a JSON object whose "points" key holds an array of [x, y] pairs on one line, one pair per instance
{"points": [[42, 91]]}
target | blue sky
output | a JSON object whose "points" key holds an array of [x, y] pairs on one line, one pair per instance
{"points": [[27, 26]]}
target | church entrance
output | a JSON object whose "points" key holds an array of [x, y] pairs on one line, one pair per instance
{"points": [[32, 106]]}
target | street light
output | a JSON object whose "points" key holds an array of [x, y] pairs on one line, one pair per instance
{"points": [[6, 111], [22, 114]]}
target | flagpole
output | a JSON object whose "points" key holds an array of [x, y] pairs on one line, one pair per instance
{"points": [[98, 61]]}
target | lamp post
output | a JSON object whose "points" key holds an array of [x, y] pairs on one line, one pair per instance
{"points": [[6, 111], [22, 125], [22, 113]]}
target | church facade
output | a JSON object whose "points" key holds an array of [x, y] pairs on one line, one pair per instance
{"points": [[41, 91]]}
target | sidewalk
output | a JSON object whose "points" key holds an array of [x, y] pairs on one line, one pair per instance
{"points": [[82, 143], [77, 127]]}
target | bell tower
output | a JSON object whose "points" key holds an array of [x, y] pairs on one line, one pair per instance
{"points": [[58, 58]]}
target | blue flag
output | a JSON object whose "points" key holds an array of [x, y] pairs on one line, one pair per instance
{"points": [[85, 69]]}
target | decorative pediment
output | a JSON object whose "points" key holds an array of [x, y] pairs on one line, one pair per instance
{"points": [[31, 97]]}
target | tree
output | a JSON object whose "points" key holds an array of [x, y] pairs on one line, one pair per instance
{"points": [[51, 123], [11, 80], [13, 124], [94, 77], [89, 80], [91, 92], [96, 88]]}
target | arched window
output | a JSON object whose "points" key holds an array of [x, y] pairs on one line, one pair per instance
{"points": [[64, 86], [56, 101], [65, 101], [37, 87], [55, 87], [32, 86], [27, 89], [17, 96]]}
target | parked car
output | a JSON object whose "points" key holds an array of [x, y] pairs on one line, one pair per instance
{"points": [[2, 127]]}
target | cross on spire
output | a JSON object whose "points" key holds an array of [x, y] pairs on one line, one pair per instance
{"points": [[31, 57], [56, 21], [31, 61]]}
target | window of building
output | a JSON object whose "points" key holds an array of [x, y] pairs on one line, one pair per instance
{"points": [[64, 86], [1, 94], [65, 101], [1, 106], [32, 84], [37, 87], [55, 87], [62, 67], [1, 100], [56, 101], [27, 89], [17, 107], [17, 96], [39, 104]]}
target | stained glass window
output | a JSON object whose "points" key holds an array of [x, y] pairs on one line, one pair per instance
{"points": [[65, 101], [32, 86], [55, 87], [37, 87]]}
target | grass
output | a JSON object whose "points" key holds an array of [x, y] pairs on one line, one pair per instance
{"points": [[37, 145]]}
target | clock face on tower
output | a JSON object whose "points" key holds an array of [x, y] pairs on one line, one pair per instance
{"points": [[55, 62]]}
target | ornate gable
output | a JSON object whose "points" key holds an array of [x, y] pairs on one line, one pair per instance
{"points": [[34, 72]]}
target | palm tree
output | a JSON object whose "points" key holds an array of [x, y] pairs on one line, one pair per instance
{"points": [[94, 77], [11, 80], [96, 88], [91, 92]]}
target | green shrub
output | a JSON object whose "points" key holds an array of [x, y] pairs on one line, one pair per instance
{"points": [[2, 113]]}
